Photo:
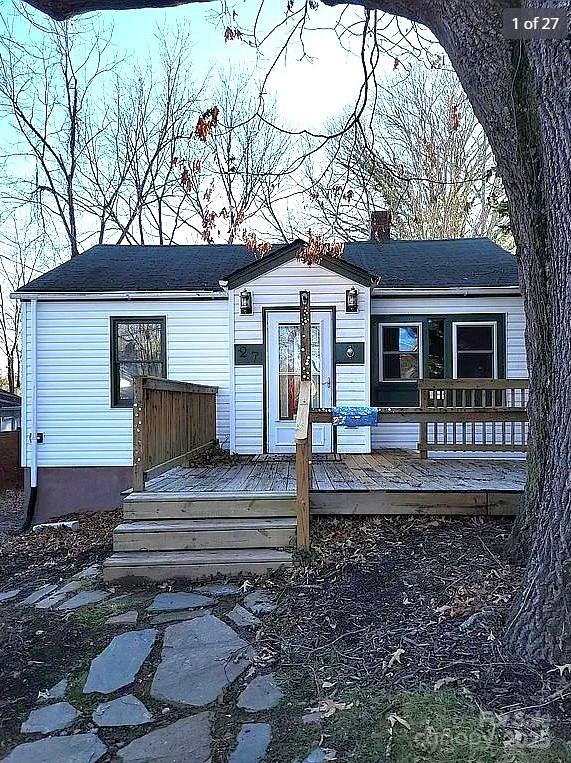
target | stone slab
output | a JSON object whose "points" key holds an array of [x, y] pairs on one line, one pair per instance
{"points": [[262, 693], [177, 617], [185, 741], [126, 618], [56, 692], [50, 601], [120, 661], [73, 585], [123, 711], [50, 718], [200, 658], [8, 595], [39, 593], [88, 572], [242, 617], [79, 748], [220, 589], [84, 599], [167, 602], [259, 602], [319, 755], [253, 742]]}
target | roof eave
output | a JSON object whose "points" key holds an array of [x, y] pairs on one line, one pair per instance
{"points": [[125, 295], [413, 291]]}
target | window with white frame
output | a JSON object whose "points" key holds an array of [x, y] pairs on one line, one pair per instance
{"points": [[474, 350], [400, 356]]}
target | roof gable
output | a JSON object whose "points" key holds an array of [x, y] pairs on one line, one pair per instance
{"points": [[290, 252]]}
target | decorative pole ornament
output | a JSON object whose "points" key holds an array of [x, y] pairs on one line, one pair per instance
{"points": [[305, 334], [245, 302], [352, 300]]}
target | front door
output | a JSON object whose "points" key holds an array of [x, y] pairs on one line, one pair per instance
{"points": [[283, 377]]}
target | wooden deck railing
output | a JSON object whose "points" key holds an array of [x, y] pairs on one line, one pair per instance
{"points": [[303, 463], [172, 421], [462, 415], [473, 415]]}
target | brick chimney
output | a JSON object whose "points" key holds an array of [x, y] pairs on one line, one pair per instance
{"points": [[381, 225]]}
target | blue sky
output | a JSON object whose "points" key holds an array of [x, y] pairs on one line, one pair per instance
{"points": [[308, 92]]}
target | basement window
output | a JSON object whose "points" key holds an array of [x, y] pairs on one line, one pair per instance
{"points": [[138, 348]]}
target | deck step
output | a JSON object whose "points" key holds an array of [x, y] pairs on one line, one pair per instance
{"points": [[193, 565], [195, 505], [189, 534]]}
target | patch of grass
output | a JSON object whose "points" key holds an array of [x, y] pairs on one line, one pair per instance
{"points": [[75, 695], [291, 739], [431, 727]]}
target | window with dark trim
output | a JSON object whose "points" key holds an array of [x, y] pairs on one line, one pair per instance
{"points": [[450, 345], [400, 352], [474, 348], [138, 348]]}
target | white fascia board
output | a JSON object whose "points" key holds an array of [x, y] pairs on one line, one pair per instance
{"points": [[460, 291], [120, 295]]}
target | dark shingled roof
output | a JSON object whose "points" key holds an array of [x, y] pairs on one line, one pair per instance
{"points": [[437, 263], [398, 264]]}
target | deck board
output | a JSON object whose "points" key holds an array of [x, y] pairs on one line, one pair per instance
{"points": [[388, 470]]}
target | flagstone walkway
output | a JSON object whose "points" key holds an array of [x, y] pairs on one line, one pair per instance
{"points": [[204, 642]]}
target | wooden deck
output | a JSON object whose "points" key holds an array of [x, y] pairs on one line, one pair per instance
{"points": [[387, 481]]}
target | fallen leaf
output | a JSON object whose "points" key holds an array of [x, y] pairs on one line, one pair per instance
{"points": [[395, 657], [327, 708], [394, 719], [561, 669]]}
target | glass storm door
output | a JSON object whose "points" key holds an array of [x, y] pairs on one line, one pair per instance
{"points": [[283, 361]]}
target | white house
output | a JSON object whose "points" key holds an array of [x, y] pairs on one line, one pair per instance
{"points": [[384, 315]]}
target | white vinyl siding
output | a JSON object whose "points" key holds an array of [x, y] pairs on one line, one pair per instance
{"points": [[406, 435], [73, 376], [280, 288]]}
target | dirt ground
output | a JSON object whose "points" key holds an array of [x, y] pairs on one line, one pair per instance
{"points": [[387, 607], [11, 511], [386, 615]]}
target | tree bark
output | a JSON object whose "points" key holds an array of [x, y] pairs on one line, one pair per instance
{"points": [[520, 94], [61, 10]]}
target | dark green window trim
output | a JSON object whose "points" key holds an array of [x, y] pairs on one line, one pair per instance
{"points": [[406, 393], [161, 320]]}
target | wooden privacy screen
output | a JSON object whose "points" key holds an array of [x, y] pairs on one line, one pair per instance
{"points": [[473, 415], [172, 421]]}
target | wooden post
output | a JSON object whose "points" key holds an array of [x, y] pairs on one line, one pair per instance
{"points": [[303, 477], [303, 433], [305, 332], [423, 426], [138, 437]]}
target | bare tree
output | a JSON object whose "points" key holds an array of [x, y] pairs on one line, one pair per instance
{"points": [[425, 157], [48, 85], [243, 169], [23, 256], [110, 156]]}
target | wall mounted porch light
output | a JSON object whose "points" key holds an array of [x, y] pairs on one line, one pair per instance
{"points": [[351, 300], [245, 302]]}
